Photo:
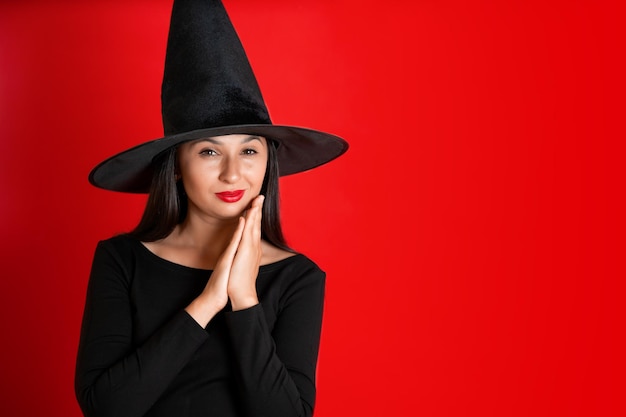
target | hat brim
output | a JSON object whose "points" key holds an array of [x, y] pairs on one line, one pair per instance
{"points": [[300, 149]]}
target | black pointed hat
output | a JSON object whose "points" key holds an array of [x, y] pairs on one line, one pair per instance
{"points": [[209, 89]]}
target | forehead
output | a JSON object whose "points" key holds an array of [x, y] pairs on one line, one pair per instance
{"points": [[234, 139]]}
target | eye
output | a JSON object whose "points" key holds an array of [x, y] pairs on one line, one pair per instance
{"points": [[208, 152], [249, 151]]}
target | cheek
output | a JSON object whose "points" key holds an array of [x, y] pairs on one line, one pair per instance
{"points": [[261, 171], [256, 179], [255, 176], [256, 171], [195, 177]]}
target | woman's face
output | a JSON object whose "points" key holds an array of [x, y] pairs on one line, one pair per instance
{"points": [[222, 174]]}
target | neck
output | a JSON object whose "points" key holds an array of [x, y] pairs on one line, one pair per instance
{"points": [[206, 236]]}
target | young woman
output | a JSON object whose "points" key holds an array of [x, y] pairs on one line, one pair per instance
{"points": [[203, 310]]}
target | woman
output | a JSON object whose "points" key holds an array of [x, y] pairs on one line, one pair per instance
{"points": [[203, 310]]}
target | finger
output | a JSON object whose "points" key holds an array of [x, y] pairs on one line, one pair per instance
{"points": [[258, 205], [257, 226], [250, 222], [251, 236], [234, 241], [258, 200], [230, 251], [253, 212], [250, 211], [218, 282]]}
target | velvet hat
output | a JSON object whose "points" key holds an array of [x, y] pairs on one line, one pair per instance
{"points": [[209, 89]]}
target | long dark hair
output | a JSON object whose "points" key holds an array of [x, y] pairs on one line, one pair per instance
{"points": [[167, 202]]}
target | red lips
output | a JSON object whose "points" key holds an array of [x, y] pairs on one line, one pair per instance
{"points": [[230, 196]]}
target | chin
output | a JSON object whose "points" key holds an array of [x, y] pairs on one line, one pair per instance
{"points": [[231, 211]]}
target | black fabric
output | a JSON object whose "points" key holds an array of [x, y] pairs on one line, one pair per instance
{"points": [[141, 354], [207, 81]]}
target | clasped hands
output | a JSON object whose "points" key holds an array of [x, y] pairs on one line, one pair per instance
{"points": [[236, 270]]}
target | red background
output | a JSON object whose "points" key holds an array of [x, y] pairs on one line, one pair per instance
{"points": [[473, 235]]}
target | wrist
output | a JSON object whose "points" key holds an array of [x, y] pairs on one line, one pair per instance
{"points": [[243, 302], [203, 309]]}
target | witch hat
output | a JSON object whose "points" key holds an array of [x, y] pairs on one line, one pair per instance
{"points": [[209, 89]]}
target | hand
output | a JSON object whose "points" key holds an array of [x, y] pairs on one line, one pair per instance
{"points": [[245, 267], [215, 296]]}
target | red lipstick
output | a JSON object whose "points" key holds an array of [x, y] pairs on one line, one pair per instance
{"points": [[230, 196]]}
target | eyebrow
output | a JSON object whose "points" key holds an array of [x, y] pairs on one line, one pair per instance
{"points": [[217, 142]]}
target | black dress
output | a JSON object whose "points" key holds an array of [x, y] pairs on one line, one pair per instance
{"points": [[141, 354]]}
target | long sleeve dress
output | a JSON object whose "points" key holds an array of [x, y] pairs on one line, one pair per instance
{"points": [[141, 354]]}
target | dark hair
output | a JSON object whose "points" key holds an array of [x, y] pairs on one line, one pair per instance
{"points": [[167, 202]]}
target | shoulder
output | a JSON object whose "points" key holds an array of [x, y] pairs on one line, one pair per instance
{"points": [[297, 279], [272, 254], [113, 262], [277, 258], [120, 244], [294, 273], [119, 252]]}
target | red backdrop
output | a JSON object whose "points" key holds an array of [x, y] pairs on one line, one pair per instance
{"points": [[472, 235]]}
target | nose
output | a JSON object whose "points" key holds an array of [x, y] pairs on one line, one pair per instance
{"points": [[229, 172]]}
